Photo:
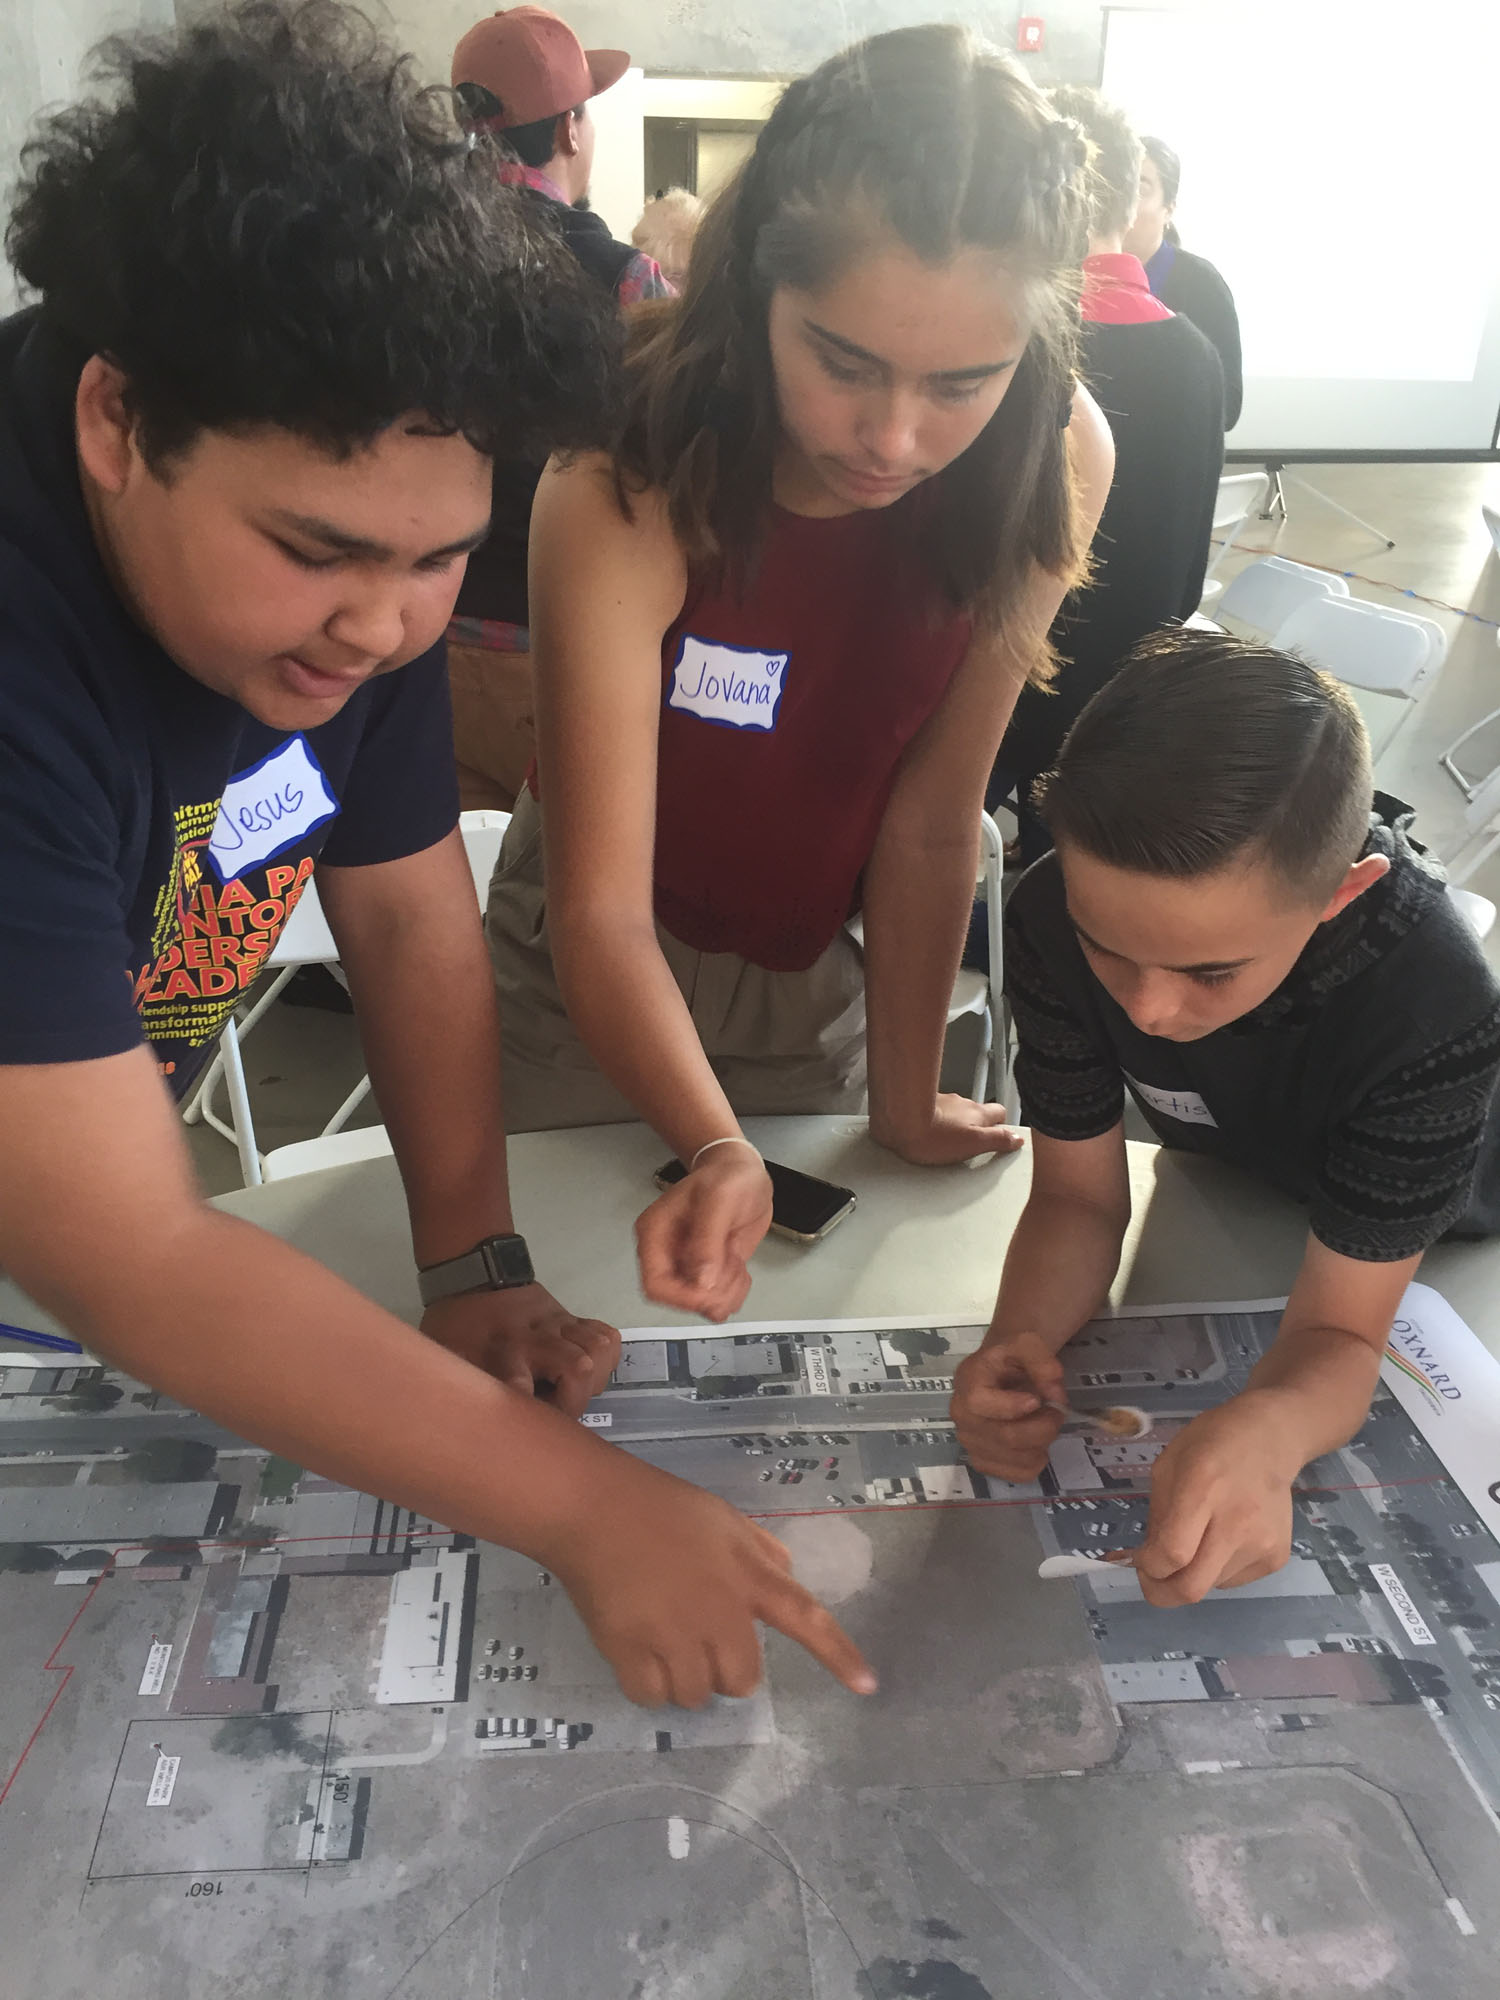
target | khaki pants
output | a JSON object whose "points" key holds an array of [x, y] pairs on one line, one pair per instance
{"points": [[494, 723], [779, 1042]]}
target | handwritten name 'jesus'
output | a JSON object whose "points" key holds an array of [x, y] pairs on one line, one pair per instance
{"points": [[269, 807]]}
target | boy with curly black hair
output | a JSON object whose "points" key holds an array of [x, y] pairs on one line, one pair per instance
{"points": [[286, 319]]}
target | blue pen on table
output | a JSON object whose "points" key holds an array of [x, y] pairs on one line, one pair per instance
{"points": [[52, 1341]]}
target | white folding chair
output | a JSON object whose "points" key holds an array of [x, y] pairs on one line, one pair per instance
{"points": [[483, 832], [482, 829], [1370, 647], [980, 995], [307, 940], [973, 993], [1266, 593], [330, 1149], [1239, 496], [1478, 839], [1477, 911], [1470, 782]]}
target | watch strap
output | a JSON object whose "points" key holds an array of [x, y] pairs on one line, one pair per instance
{"points": [[498, 1264]]}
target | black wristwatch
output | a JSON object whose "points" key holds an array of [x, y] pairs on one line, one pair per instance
{"points": [[498, 1264]]}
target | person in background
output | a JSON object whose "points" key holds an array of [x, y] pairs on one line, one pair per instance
{"points": [[1159, 384], [1236, 930], [667, 226], [780, 631], [1189, 284], [524, 79], [524, 82]]}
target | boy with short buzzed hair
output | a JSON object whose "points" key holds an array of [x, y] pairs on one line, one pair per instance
{"points": [[1237, 929]]}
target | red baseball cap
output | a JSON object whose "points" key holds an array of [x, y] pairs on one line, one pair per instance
{"points": [[532, 61]]}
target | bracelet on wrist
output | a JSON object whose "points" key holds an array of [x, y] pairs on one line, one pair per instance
{"points": [[732, 1139]]}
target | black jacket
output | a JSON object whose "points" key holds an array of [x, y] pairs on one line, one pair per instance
{"points": [[494, 584], [1161, 389], [1194, 288]]}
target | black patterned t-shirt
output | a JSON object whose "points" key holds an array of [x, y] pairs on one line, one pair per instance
{"points": [[1365, 1085]]}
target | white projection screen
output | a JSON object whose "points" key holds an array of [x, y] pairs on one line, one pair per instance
{"points": [[1340, 165]]}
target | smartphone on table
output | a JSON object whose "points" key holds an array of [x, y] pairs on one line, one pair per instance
{"points": [[802, 1207]]}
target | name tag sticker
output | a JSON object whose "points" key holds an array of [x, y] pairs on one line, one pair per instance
{"points": [[734, 686], [1186, 1106], [269, 807]]}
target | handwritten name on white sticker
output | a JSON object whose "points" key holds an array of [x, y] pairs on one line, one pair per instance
{"points": [[1186, 1106], [817, 1371], [268, 807], [1417, 1629], [597, 1420], [163, 1781], [154, 1679], [735, 686]]}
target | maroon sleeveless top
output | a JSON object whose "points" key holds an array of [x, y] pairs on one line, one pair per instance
{"points": [[785, 710]]}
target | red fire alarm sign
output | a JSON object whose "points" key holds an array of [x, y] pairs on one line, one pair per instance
{"points": [[1031, 34]]}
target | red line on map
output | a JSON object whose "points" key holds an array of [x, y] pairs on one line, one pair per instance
{"points": [[50, 1666]]}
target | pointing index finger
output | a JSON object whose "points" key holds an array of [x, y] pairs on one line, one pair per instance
{"points": [[790, 1609]]}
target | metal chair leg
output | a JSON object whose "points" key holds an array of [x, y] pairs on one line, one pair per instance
{"points": [[193, 1110], [1449, 759], [243, 1132], [199, 1108], [348, 1108], [981, 1088]]}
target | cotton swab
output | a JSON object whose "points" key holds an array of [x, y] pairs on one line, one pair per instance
{"points": [[1122, 1421], [1052, 1567]]}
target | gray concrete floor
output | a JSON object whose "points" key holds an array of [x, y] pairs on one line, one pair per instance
{"points": [[1442, 551], [302, 1063]]}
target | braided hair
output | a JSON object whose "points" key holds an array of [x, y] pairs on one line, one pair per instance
{"points": [[1117, 155], [929, 136]]}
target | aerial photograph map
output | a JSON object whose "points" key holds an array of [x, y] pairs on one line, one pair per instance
{"points": [[262, 1734]]}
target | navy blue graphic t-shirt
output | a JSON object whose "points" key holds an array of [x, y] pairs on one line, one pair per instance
{"points": [[154, 837]]}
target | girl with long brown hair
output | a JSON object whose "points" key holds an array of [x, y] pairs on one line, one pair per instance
{"points": [[779, 632]]}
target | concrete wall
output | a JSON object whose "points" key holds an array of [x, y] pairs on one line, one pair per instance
{"points": [[776, 38], [620, 154], [764, 37], [43, 44]]}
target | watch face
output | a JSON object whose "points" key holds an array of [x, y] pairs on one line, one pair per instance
{"points": [[511, 1260]]}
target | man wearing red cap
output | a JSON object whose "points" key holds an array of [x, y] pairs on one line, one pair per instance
{"points": [[524, 78]]}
